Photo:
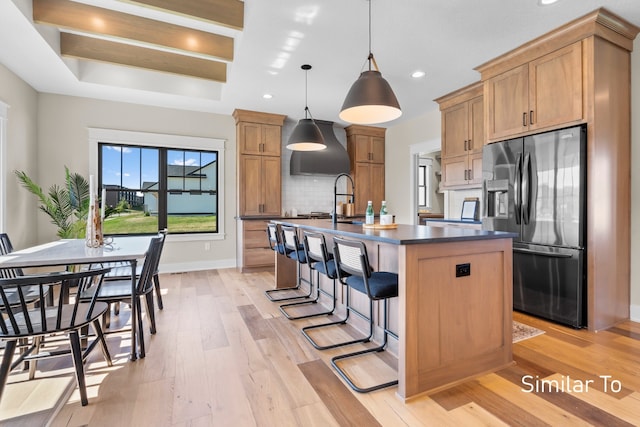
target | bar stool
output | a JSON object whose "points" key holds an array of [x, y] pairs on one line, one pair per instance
{"points": [[342, 276], [319, 260], [277, 244], [351, 257]]}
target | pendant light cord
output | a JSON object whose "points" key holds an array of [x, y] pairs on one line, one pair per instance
{"points": [[306, 68], [370, 58], [306, 104]]}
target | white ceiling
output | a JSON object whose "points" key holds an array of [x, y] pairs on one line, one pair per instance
{"points": [[445, 38]]}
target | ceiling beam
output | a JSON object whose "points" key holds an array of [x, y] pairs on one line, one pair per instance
{"points": [[82, 47], [228, 13], [94, 20]]}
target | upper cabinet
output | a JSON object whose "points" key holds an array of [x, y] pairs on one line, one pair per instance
{"points": [[543, 93], [367, 148], [462, 137], [365, 145], [260, 139]]}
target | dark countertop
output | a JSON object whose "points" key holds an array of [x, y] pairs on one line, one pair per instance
{"points": [[465, 221], [403, 235]]}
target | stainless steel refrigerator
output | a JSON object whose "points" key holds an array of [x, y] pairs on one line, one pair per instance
{"points": [[536, 187]]}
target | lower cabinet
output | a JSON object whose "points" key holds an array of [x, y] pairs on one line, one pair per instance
{"points": [[254, 250]]}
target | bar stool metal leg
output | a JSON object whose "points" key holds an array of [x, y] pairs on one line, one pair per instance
{"points": [[276, 243]]}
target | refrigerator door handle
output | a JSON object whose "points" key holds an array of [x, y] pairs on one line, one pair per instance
{"points": [[547, 254], [516, 190], [526, 189]]}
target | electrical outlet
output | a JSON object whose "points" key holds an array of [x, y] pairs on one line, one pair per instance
{"points": [[463, 270], [207, 246]]}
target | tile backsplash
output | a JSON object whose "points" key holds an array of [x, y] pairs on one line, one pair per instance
{"points": [[308, 193]]}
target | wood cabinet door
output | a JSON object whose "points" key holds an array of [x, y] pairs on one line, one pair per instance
{"points": [[362, 186], [507, 103], [476, 124], [362, 148], [555, 88], [271, 185], [376, 173], [250, 185], [272, 140], [376, 149], [475, 168], [454, 170], [455, 130], [250, 138]]}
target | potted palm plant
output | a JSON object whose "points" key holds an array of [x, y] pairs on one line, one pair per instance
{"points": [[67, 206]]}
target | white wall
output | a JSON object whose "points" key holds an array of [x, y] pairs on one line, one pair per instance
{"points": [[21, 154], [398, 176]]}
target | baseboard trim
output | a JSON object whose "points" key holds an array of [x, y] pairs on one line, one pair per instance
{"points": [[182, 267], [634, 312]]}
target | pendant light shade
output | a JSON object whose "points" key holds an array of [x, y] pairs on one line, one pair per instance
{"points": [[306, 136], [370, 99]]}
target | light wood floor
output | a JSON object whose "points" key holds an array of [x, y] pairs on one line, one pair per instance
{"points": [[225, 356]]}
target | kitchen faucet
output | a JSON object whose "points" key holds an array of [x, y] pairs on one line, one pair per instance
{"points": [[334, 215]]}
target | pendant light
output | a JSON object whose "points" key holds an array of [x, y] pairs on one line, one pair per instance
{"points": [[306, 135], [371, 99]]}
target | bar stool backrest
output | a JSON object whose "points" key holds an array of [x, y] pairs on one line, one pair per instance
{"points": [[315, 249], [290, 237], [275, 240], [351, 257]]}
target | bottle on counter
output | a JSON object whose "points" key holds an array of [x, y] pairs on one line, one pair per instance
{"points": [[369, 213], [383, 208]]}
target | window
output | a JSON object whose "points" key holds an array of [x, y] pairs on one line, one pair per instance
{"points": [[162, 185], [424, 172]]}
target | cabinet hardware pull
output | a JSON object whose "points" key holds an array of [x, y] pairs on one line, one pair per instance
{"points": [[470, 174], [531, 117], [524, 119], [465, 174], [469, 145], [465, 145]]}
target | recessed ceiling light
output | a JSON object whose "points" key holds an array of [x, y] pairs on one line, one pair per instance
{"points": [[546, 2], [267, 96], [418, 74]]}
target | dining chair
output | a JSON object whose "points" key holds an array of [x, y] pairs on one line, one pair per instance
{"points": [[25, 316], [113, 291], [122, 270], [6, 248]]}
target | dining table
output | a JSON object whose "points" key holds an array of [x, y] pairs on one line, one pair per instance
{"points": [[75, 252]]}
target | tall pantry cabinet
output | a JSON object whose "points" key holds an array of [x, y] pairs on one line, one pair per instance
{"points": [[365, 145], [259, 144], [579, 73]]}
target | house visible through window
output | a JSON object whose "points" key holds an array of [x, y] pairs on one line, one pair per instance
{"points": [[152, 188]]}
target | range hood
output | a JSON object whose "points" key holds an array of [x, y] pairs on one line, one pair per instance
{"points": [[333, 160]]}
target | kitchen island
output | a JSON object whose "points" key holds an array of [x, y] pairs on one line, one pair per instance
{"points": [[454, 308]]}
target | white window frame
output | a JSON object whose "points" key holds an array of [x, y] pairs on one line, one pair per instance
{"points": [[4, 109], [179, 142], [428, 164]]}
